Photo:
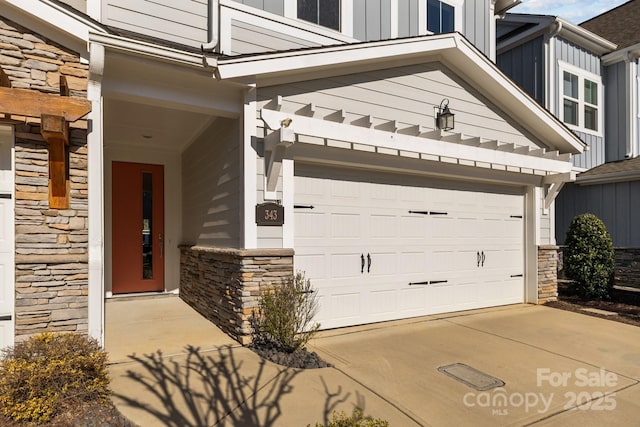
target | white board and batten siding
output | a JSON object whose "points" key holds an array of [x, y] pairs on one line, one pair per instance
{"points": [[180, 21], [407, 95], [382, 247], [7, 240]]}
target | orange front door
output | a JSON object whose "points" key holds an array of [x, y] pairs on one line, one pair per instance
{"points": [[138, 228]]}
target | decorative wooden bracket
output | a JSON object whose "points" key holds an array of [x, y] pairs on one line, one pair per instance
{"points": [[55, 130], [553, 185], [55, 112]]}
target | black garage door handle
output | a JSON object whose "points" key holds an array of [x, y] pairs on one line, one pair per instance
{"points": [[368, 263], [361, 263]]}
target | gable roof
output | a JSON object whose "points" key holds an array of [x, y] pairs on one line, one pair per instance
{"points": [[621, 25], [622, 170], [452, 49]]}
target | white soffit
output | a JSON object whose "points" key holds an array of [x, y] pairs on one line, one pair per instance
{"points": [[453, 50]]}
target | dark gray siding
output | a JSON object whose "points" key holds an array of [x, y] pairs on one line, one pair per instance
{"points": [[525, 65], [616, 111], [617, 204], [372, 19], [273, 6], [407, 18]]}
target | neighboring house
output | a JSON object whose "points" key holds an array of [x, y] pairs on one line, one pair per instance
{"points": [[595, 66], [282, 145]]}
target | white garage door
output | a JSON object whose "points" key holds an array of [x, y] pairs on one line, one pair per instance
{"points": [[392, 249]]}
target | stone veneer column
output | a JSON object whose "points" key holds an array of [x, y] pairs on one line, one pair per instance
{"points": [[547, 273], [224, 284], [51, 245]]}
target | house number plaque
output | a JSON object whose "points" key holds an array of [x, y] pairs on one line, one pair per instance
{"points": [[269, 214]]}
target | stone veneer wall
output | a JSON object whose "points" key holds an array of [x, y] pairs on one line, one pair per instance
{"points": [[224, 284], [51, 245], [547, 273]]}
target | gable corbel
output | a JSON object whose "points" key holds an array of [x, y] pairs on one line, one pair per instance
{"points": [[553, 184]]}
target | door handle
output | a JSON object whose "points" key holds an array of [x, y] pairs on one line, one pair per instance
{"points": [[361, 263], [478, 257], [368, 263], [483, 258]]}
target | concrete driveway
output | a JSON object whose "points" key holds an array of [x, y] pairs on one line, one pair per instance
{"points": [[550, 361]]}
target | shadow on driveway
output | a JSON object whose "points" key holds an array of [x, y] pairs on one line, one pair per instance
{"points": [[215, 387]]}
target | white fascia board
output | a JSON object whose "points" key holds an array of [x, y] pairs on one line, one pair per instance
{"points": [[502, 6], [301, 125], [629, 52], [585, 38], [306, 59], [140, 48], [609, 178], [58, 16]]}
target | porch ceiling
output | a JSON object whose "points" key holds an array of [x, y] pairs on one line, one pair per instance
{"points": [[138, 125]]}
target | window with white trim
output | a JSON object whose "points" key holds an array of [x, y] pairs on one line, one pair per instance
{"points": [[321, 12], [580, 99], [441, 17]]}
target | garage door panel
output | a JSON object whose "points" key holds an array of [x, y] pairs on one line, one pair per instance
{"points": [[344, 225], [438, 249], [380, 303], [382, 264]]}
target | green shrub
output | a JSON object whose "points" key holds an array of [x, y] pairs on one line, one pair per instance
{"points": [[589, 257], [285, 314], [357, 419], [39, 376]]}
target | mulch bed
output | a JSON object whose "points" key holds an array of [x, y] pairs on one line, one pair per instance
{"points": [[625, 303], [301, 358]]}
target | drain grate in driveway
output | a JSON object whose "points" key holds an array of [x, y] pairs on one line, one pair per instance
{"points": [[471, 376]]}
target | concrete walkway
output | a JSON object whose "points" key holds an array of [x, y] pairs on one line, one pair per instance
{"points": [[550, 361]]}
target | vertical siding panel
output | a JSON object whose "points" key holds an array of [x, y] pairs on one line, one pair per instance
{"points": [[524, 65], [359, 19], [623, 214], [404, 18], [372, 23], [274, 6], [634, 208], [258, 4], [385, 19], [414, 29], [616, 204]]}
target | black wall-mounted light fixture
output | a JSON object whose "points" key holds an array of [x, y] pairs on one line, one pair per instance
{"points": [[445, 118]]}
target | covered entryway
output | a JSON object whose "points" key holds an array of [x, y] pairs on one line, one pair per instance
{"points": [[381, 247], [7, 269]]}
